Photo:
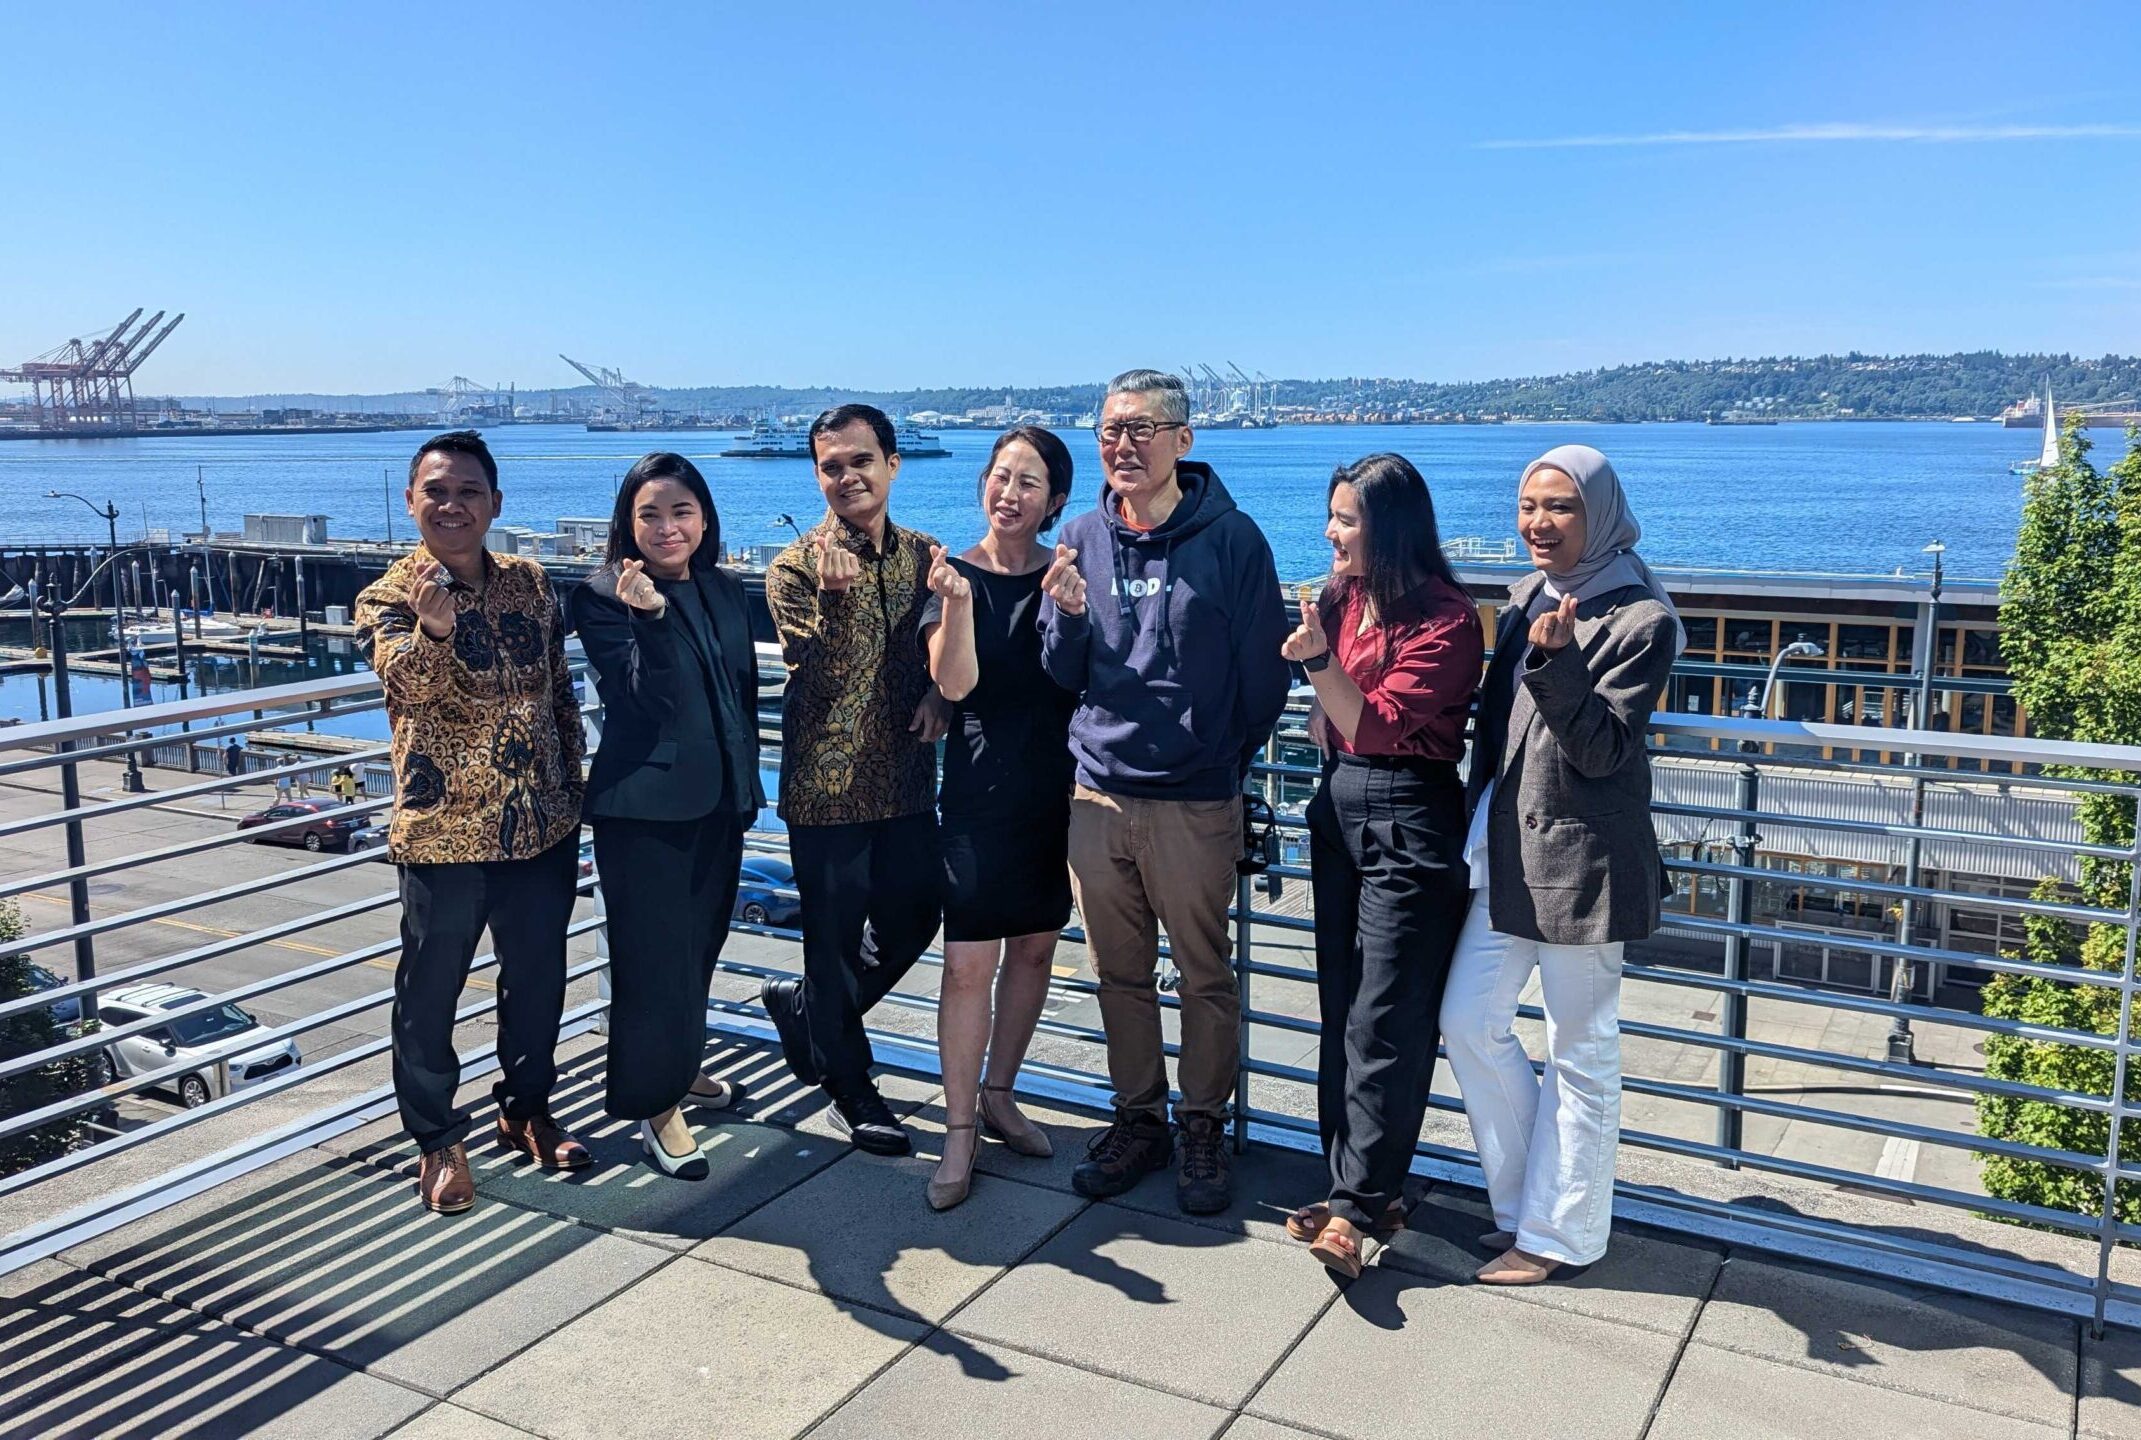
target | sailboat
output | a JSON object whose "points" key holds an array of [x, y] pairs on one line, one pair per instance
{"points": [[2049, 456]]}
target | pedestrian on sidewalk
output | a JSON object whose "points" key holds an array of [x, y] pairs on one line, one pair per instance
{"points": [[859, 725], [487, 751], [233, 767], [674, 786], [1563, 862], [1393, 649], [344, 783], [1004, 802], [1163, 616]]}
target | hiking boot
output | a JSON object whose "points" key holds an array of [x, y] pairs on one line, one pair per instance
{"points": [[783, 1000], [1123, 1154], [861, 1114], [1203, 1185], [444, 1182]]}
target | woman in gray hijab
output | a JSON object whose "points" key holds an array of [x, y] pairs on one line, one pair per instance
{"points": [[1565, 867]]}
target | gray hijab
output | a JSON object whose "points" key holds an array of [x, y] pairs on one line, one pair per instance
{"points": [[1609, 561]]}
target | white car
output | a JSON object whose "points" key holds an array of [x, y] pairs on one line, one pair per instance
{"points": [[203, 1036]]}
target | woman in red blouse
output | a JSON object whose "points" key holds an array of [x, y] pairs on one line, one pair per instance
{"points": [[1386, 834]]}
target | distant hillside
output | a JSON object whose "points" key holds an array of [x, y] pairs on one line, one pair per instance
{"points": [[1900, 387]]}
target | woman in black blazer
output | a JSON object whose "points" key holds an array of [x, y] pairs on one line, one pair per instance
{"points": [[673, 787]]}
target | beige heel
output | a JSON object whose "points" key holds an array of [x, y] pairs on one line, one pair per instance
{"points": [[1033, 1142], [944, 1194]]}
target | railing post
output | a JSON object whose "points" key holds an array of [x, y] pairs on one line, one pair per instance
{"points": [[2107, 1228], [1243, 900], [1739, 912], [70, 799]]}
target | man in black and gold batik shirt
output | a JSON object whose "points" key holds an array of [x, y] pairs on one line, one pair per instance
{"points": [[487, 773], [859, 726]]}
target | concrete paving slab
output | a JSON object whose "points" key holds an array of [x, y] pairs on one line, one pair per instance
{"points": [[862, 1231], [1251, 1427], [83, 1357], [1715, 1392], [693, 1351], [1644, 1279], [1069, 1131], [1903, 1337], [1185, 1308], [1403, 1355], [451, 1422], [341, 1260], [1269, 1185], [908, 1402], [2111, 1385]]}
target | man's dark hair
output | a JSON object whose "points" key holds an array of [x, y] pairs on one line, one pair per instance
{"points": [[662, 465], [457, 442], [842, 416]]}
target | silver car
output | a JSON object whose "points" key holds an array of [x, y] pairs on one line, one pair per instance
{"points": [[207, 1036]]}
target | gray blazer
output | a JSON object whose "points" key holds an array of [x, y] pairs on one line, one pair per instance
{"points": [[1570, 848]]}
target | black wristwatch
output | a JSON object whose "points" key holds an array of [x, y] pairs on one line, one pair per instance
{"points": [[1315, 663]]}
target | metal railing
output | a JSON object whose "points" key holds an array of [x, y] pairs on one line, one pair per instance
{"points": [[1274, 1099]]}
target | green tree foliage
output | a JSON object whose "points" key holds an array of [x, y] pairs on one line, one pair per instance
{"points": [[2070, 627], [24, 1033]]}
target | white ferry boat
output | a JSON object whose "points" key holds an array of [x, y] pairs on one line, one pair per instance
{"points": [[792, 442]]}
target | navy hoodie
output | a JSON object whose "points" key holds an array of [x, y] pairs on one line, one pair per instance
{"points": [[1175, 661]]}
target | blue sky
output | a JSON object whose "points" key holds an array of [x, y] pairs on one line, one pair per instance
{"points": [[380, 197]]}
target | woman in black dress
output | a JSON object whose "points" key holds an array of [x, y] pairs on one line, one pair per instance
{"points": [[1004, 799], [674, 784]]}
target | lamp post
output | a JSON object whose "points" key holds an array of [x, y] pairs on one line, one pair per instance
{"points": [[132, 782], [1739, 903], [1901, 1050]]}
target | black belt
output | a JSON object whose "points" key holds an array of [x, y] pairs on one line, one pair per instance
{"points": [[1421, 765]]}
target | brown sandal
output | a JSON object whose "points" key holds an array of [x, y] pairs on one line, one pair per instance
{"points": [[1338, 1253], [1307, 1222]]}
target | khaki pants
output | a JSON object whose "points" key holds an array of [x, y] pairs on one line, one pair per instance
{"points": [[1142, 863]]}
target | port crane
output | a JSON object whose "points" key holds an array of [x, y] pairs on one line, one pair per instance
{"points": [[460, 397], [87, 386], [626, 395]]}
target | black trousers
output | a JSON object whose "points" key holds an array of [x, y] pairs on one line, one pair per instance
{"points": [[1386, 840], [444, 909], [872, 898], [668, 888]]}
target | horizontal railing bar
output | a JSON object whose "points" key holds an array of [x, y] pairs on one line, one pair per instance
{"points": [[1841, 940], [1885, 830], [198, 707], [281, 720], [183, 849], [1794, 880], [103, 808]]}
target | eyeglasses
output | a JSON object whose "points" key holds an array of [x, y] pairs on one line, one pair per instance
{"points": [[1139, 431]]}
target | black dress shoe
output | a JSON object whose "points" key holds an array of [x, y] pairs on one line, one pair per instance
{"points": [[783, 1000], [862, 1115]]}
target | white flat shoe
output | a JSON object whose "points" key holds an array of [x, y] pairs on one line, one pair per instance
{"points": [[683, 1167]]}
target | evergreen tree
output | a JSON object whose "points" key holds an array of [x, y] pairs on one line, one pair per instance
{"points": [[24, 1033], [2070, 619]]}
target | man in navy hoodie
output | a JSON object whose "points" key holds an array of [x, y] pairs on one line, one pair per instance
{"points": [[1163, 615]]}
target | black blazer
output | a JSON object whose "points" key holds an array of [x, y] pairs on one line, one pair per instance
{"points": [[662, 756]]}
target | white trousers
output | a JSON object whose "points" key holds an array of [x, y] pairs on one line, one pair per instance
{"points": [[1547, 1149]]}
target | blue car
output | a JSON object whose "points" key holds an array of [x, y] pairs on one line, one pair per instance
{"points": [[766, 894], [66, 1013]]}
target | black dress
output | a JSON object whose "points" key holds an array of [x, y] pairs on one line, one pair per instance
{"points": [[1005, 795]]}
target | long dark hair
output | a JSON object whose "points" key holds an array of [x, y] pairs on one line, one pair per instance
{"points": [[1404, 543], [662, 465], [1055, 458]]}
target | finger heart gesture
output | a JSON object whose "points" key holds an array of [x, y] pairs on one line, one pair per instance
{"points": [[944, 577], [1557, 626], [1063, 583], [433, 602], [838, 567], [636, 587], [1307, 640]]}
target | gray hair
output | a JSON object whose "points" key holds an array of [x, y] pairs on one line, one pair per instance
{"points": [[1174, 396]]}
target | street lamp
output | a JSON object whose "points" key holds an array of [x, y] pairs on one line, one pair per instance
{"points": [[1798, 649], [132, 783], [1901, 1050]]}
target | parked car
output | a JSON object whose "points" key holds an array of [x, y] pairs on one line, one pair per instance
{"points": [[67, 1012], [371, 837], [201, 1036], [331, 828], [759, 900]]}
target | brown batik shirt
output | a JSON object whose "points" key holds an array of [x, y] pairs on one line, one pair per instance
{"points": [[487, 741], [856, 672]]}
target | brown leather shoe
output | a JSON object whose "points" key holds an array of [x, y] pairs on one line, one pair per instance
{"points": [[543, 1141], [444, 1182]]}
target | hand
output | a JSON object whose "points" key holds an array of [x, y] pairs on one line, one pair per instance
{"points": [[931, 718], [1319, 729], [1063, 584], [1557, 627], [1308, 640], [433, 603], [636, 588], [945, 580], [838, 567]]}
